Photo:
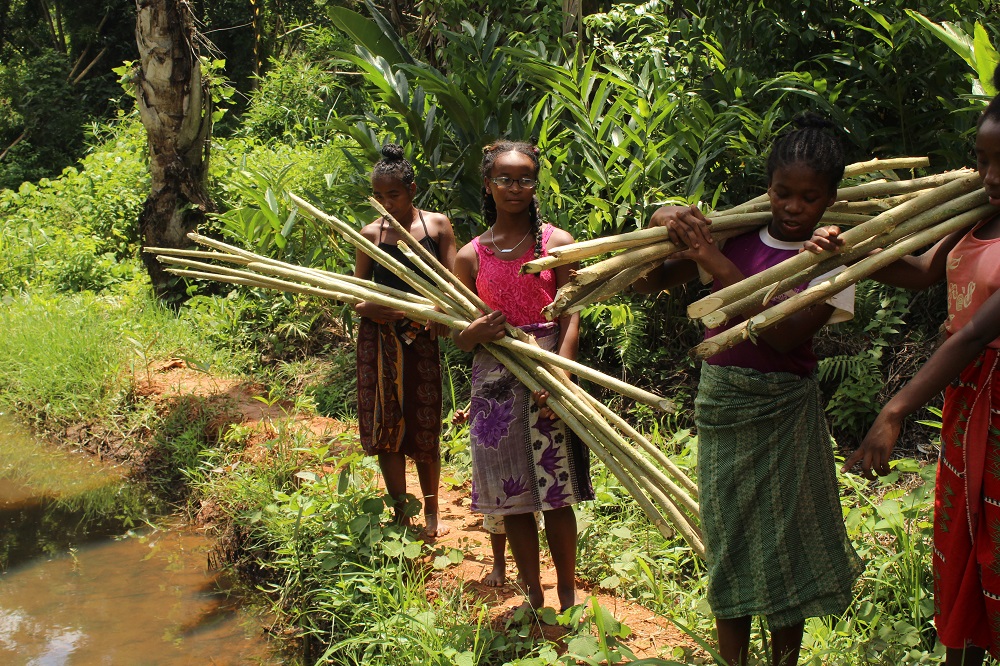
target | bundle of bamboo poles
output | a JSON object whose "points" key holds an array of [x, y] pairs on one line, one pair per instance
{"points": [[902, 230], [872, 208], [894, 218], [662, 490]]}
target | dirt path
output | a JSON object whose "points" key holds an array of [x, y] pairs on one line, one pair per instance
{"points": [[651, 635]]}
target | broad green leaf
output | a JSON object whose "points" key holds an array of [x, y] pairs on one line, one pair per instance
{"points": [[373, 506], [986, 58], [367, 33], [956, 39]]}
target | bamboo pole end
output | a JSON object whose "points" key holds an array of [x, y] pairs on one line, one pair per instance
{"points": [[705, 306], [714, 319], [667, 406]]}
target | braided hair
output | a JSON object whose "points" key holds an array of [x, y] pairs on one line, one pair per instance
{"points": [[813, 143], [393, 165], [490, 154], [992, 111]]}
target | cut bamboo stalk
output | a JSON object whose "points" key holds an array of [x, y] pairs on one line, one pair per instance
{"points": [[873, 205], [596, 412], [796, 264], [567, 409], [597, 281], [558, 385], [824, 290], [476, 303], [421, 310], [890, 164], [417, 311], [422, 285], [641, 256], [198, 254], [259, 284], [852, 250], [535, 380], [659, 456], [746, 206], [645, 238], [331, 282], [635, 239], [878, 189], [240, 255], [585, 372], [605, 290], [460, 305], [428, 263]]}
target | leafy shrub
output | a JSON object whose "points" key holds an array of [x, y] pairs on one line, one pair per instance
{"points": [[77, 231], [293, 101]]}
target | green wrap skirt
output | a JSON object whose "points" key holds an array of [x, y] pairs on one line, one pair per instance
{"points": [[770, 507]]}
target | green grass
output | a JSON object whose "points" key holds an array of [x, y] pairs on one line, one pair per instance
{"points": [[74, 357]]}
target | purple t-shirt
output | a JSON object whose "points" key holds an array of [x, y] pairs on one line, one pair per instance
{"points": [[752, 253]]}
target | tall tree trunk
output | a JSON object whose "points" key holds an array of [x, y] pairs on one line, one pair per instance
{"points": [[176, 110]]}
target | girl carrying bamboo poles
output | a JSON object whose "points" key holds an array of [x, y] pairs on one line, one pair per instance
{"points": [[770, 509], [523, 458], [399, 369], [967, 366]]}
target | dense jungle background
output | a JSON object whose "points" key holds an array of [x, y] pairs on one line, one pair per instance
{"points": [[633, 105]]}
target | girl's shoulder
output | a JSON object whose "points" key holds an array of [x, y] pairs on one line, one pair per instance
{"points": [[438, 224], [468, 250], [371, 230], [556, 237]]}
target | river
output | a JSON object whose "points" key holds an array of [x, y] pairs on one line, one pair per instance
{"points": [[87, 579]]}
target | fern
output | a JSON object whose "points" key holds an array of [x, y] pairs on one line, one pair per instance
{"points": [[860, 377]]}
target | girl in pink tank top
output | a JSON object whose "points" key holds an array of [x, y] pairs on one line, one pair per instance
{"points": [[524, 459], [967, 493]]}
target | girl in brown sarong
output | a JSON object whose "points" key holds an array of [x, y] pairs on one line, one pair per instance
{"points": [[399, 370]]}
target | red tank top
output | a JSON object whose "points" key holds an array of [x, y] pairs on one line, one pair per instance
{"points": [[502, 287], [973, 276]]}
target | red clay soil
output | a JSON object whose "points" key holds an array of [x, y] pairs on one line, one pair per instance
{"points": [[651, 635]]}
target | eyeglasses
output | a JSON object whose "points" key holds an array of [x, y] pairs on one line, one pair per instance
{"points": [[503, 182]]}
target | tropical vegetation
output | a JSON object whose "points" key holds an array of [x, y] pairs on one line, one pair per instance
{"points": [[632, 104]]}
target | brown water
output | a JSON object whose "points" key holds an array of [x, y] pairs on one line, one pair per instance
{"points": [[79, 588]]}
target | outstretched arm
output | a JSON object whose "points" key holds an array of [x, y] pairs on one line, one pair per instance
{"points": [[941, 368], [914, 271]]}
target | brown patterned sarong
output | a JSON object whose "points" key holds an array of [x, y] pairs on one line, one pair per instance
{"points": [[399, 390]]}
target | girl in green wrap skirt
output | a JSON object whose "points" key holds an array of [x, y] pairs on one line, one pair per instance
{"points": [[770, 509]]}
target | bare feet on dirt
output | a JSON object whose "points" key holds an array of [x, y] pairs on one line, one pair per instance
{"points": [[497, 577], [435, 528]]}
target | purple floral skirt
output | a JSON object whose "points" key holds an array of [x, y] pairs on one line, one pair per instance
{"points": [[521, 462]]}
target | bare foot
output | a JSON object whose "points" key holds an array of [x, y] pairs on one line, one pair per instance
{"points": [[567, 597], [497, 577], [433, 528], [518, 615]]}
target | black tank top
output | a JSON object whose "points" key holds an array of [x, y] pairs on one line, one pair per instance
{"points": [[382, 275]]}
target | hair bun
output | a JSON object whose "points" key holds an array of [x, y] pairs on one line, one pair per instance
{"points": [[812, 121], [392, 152]]}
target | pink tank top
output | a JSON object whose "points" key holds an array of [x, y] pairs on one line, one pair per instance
{"points": [[501, 286], [973, 276]]}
